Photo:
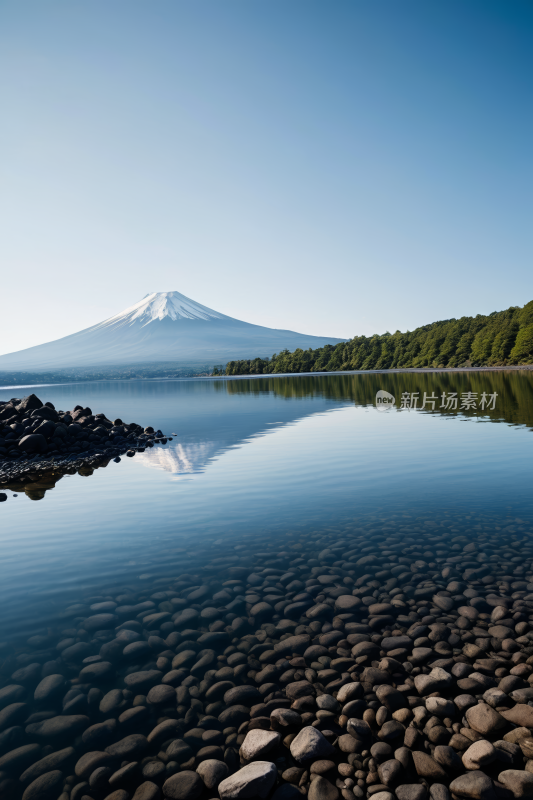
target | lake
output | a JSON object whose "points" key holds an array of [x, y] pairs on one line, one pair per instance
{"points": [[269, 476]]}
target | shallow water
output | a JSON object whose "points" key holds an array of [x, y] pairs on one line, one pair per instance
{"points": [[291, 546], [258, 458]]}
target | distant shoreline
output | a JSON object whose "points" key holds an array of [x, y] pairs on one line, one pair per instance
{"points": [[399, 371]]}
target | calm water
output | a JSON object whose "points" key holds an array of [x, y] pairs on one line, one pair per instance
{"points": [[259, 459]]}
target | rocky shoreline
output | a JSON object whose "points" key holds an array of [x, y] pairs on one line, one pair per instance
{"points": [[35, 437], [391, 662]]}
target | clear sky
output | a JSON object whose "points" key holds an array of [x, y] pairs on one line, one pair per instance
{"points": [[336, 168]]}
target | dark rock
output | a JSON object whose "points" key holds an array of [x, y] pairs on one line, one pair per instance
{"points": [[242, 696], [411, 791], [186, 785], [322, 789], [53, 761], [45, 787], [130, 747], [476, 785], [60, 727], [91, 761], [212, 772], [19, 759], [147, 791], [33, 443]]}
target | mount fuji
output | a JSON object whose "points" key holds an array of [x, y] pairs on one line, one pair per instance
{"points": [[162, 328]]}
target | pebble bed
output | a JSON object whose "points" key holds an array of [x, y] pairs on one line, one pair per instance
{"points": [[33, 436], [393, 658]]}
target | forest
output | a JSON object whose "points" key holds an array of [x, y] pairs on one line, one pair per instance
{"points": [[499, 339]]}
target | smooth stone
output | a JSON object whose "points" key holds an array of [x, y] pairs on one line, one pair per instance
{"points": [[147, 791], [479, 754], [476, 785], [93, 673], [130, 747], [254, 780], [13, 693], [242, 696], [310, 744], [485, 720], [427, 767], [20, 758], [521, 715], [50, 762], [91, 761], [411, 791], [212, 772], [518, 781], [49, 688], [322, 789], [350, 691], [58, 727], [186, 785], [158, 695], [45, 787], [258, 743]]}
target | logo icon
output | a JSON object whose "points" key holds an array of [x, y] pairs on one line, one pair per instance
{"points": [[384, 400]]}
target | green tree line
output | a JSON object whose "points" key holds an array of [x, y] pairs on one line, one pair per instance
{"points": [[499, 339]]}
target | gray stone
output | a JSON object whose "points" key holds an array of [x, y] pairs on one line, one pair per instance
{"points": [[478, 754], [518, 781], [258, 743], [45, 787], [350, 691], [438, 791], [310, 744], [51, 762], [447, 758], [411, 791], [91, 761], [147, 791], [49, 688], [427, 767], [161, 694], [186, 785], [322, 789], [389, 771], [476, 785], [520, 715], [130, 747], [253, 780], [485, 720], [19, 759], [11, 694], [242, 696], [212, 772], [60, 727], [327, 702], [440, 707], [391, 698]]}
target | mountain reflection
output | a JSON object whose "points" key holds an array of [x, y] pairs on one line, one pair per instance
{"points": [[213, 416]]}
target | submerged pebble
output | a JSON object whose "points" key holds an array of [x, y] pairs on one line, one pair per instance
{"points": [[390, 660]]}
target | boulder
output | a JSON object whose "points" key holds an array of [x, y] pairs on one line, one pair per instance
{"points": [[254, 780]]}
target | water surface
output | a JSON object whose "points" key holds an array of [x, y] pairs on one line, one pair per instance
{"points": [[259, 459]]}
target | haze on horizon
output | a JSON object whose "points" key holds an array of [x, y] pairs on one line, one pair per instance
{"points": [[335, 169]]}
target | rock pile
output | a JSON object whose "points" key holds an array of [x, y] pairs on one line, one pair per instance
{"points": [[385, 664], [34, 432]]}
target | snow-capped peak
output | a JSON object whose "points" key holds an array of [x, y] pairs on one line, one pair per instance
{"points": [[158, 305]]}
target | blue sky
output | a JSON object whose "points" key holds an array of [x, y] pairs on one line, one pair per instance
{"points": [[335, 168]]}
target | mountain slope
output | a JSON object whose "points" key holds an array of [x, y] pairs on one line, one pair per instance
{"points": [[163, 327]]}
